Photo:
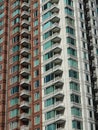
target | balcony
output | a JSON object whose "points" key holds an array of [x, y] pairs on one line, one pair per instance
{"points": [[24, 105], [24, 127], [24, 117], [60, 128], [89, 35], [25, 41], [54, 18], [54, 8], [25, 14], [25, 51], [54, 1], [88, 26], [92, 66], [59, 106], [97, 109], [25, 82], [87, 7], [58, 119], [91, 55], [54, 47], [25, 6], [25, 32], [55, 28], [25, 61], [94, 77], [25, 71], [25, 23], [90, 46], [59, 94], [88, 17], [25, 93], [57, 59], [55, 37], [56, 81]]}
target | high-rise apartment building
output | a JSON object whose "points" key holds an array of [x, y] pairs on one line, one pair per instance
{"points": [[48, 65]]}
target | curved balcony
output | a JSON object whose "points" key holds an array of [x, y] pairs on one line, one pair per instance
{"points": [[24, 105], [25, 51], [25, 127], [24, 117], [25, 93], [25, 41], [25, 82], [25, 6], [25, 32], [25, 23], [25, 14], [25, 61]]}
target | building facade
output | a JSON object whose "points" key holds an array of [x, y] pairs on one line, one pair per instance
{"points": [[48, 65]]}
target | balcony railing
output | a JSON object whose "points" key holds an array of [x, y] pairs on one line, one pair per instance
{"points": [[25, 93]]}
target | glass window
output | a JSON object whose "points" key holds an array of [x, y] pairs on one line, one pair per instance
{"points": [[36, 84], [50, 115], [71, 41], [17, 11], [14, 113], [36, 73], [49, 102], [69, 2], [14, 89], [35, 5], [14, 101], [71, 51], [48, 78], [74, 86], [37, 120], [76, 111], [69, 11], [77, 124], [36, 96], [36, 22], [72, 63], [36, 107], [50, 127], [14, 79], [73, 74], [75, 98], [36, 62], [70, 30], [49, 90], [13, 125]]}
